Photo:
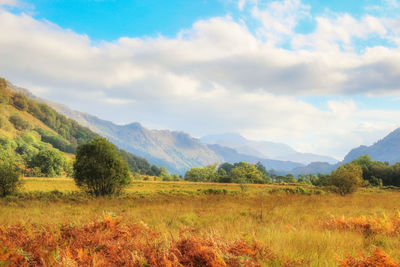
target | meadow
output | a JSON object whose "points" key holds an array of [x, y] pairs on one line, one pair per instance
{"points": [[275, 225]]}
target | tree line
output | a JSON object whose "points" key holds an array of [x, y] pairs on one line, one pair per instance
{"points": [[362, 171]]}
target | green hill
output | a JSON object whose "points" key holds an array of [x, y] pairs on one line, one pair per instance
{"points": [[41, 141]]}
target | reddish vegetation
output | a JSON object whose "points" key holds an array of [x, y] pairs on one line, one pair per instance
{"points": [[377, 259], [368, 225], [111, 243]]}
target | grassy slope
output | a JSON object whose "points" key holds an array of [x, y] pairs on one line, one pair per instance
{"points": [[292, 225]]}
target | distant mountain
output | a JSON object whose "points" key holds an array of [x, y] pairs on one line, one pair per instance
{"points": [[315, 168], [231, 155], [387, 149], [178, 151], [264, 149]]}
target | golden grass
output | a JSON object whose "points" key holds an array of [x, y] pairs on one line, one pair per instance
{"points": [[291, 225]]}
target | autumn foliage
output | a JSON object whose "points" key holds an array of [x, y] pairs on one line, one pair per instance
{"points": [[108, 242], [388, 225], [377, 259]]}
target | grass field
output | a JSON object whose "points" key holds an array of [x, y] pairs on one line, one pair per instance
{"points": [[313, 227]]}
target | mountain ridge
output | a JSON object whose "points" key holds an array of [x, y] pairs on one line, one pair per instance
{"points": [[265, 149], [176, 150]]}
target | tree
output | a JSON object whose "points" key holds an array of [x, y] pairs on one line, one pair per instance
{"points": [[9, 179], [99, 168], [50, 162], [20, 101], [202, 174], [264, 172], [347, 178], [227, 167], [3, 91], [245, 172]]}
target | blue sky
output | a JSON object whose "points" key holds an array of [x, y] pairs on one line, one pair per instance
{"points": [[111, 19], [321, 76]]}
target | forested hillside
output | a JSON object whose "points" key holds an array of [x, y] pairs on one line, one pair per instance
{"points": [[41, 141]]}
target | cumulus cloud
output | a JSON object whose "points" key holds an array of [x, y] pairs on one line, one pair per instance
{"points": [[279, 18], [218, 76], [9, 2]]}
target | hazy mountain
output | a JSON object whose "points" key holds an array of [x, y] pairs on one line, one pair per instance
{"points": [[178, 151], [315, 168], [264, 149], [387, 149], [231, 155]]}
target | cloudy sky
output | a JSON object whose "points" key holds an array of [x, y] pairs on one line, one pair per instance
{"points": [[321, 76]]}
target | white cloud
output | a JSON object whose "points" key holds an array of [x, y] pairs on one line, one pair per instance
{"points": [[217, 76], [9, 2], [279, 18]]}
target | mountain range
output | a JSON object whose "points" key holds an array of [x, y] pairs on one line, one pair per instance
{"points": [[178, 151], [264, 149]]}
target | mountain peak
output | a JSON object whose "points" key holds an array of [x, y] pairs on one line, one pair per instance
{"points": [[386, 149]]}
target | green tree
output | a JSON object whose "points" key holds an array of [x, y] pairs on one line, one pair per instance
{"points": [[347, 178], [9, 179], [50, 162], [264, 173], [19, 122], [99, 168], [202, 174], [20, 101], [3, 91], [245, 172], [227, 167]]}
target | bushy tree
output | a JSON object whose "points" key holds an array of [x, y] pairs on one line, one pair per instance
{"points": [[264, 173], [245, 172], [3, 91], [227, 167], [51, 163], [19, 122], [347, 178], [99, 169], [202, 174], [9, 178], [20, 101]]}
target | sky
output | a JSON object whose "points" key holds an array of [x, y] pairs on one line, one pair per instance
{"points": [[321, 76]]}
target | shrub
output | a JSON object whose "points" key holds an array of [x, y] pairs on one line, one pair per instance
{"points": [[347, 178], [9, 179], [99, 169], [3, 91], [19, 122], [20, 101]]}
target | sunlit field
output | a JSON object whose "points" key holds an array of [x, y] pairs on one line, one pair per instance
{"points": [[305, 226]]}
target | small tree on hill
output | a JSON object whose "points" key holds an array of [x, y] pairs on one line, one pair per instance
{"points": [[9, 179], [99, 169], [347, 178]]}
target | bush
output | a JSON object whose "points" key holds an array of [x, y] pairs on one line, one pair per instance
{"points": [[347, 178], [18, 122], [9, 179], [20, 101], [99, 169], [50, 162]]}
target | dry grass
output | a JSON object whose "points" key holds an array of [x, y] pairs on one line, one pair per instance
{"points": [[292, 226]]}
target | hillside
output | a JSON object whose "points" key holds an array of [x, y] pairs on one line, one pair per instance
{"points": [[32, 134], [264, 149], [386, 149], [177, 151]]}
